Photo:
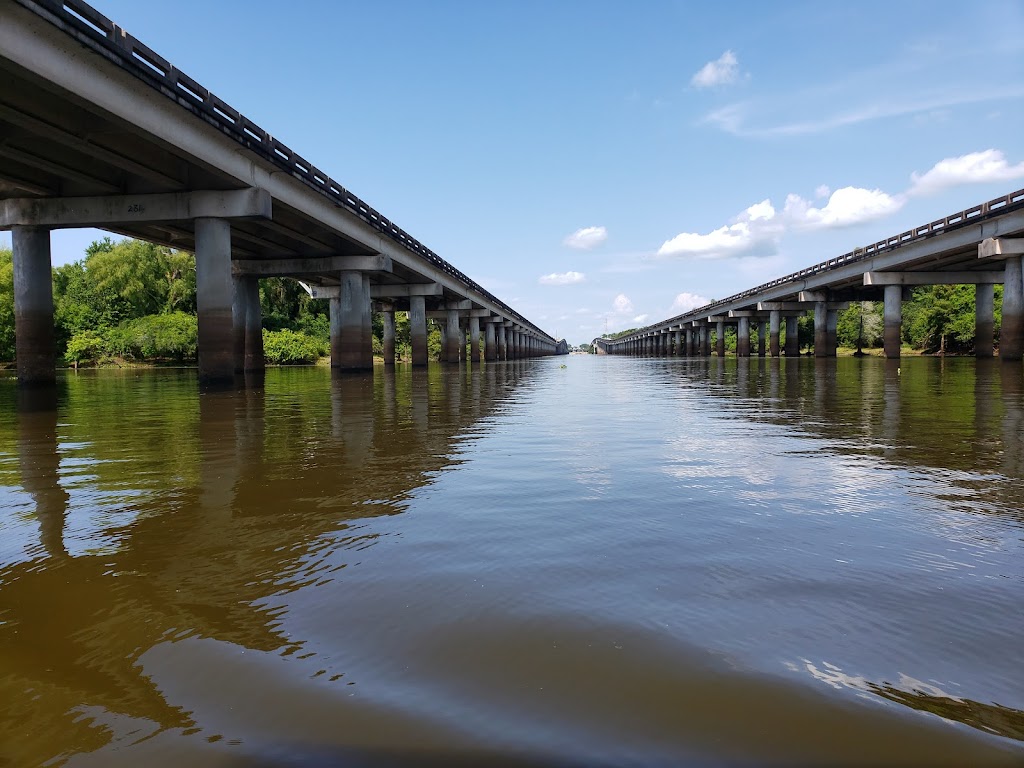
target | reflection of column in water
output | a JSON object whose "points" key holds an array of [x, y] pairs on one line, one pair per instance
{"points": [[219, 422], [250, 428], [352, 417], [1010, 376], [870, 376], [891, 401], [743, 376], [419, 396], [986, 404], [791, 368], [453, 383], [825, 387], [39, 464], [774, 364], [387, 392], [474, 392]]}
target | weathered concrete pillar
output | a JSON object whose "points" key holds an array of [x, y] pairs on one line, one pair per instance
{"points": [[678, 342], [490, 346], [34, 341], [774, 326], [443, 354], [984, 319], [418, 330], [366, 321], [821, 329], [762, 346], [351, 349], [705, 340], [1011, 334], [743, 337], [462, 341], [214, 294], [502, 343], [720, 339], [247, 318], [831, 328], [893, 318], [793, 336], [474, 339], [388, 336], [452, 337]]}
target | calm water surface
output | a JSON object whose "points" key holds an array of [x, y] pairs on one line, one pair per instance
{"points": [[568, 562]]}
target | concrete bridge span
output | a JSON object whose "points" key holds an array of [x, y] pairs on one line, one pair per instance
{"points": [[98, 130], [980, 246]]}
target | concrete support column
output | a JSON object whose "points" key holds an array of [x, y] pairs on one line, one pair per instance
{"points": [[893, 318], [462, 341], [366, 322], [452, 337], [490, 348], [743, 338], [418, 330], [474, 339], [720, 339], [1011, 334], [502, 343], [762, 346], [821, 325], [443, 354], [34, 342], [247, 321], [831, 328], [680, 351], [793, 336], [774, 326], [351, 348], [214, 295], [984, 320], [388, 337]]}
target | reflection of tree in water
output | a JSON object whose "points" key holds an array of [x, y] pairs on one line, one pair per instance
{"points": [[993, 718], [230, 498]]}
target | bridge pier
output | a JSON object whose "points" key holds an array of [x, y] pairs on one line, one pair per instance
{"points": [[351, 345], [743, 337], [774, 327], [984, 320], [418, 330], [490, 346], [720, 338], [474, 339], [388, 335], [793, 336], [462, 340], [34, 341], [214, 299], [679, 344], [247, 319], [502, 342], [452, 336], [1011, 335], [893, 319], [820, 329], [705, 340], [762, 347]]}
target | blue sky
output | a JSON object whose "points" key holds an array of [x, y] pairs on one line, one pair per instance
{"points": [[607, 163]]}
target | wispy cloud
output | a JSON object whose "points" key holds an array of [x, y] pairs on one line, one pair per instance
{"points": [[586, 238], [685, 301], [724, 70], [752, 230], [563, 278]]}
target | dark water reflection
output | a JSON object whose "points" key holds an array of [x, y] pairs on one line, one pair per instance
{"points": [[640, 562]]}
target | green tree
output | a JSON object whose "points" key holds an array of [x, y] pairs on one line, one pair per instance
{"points": [[6, 305]]}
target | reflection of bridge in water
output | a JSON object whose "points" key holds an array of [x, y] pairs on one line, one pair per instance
{"points": [[881, 410], [213, 517]]}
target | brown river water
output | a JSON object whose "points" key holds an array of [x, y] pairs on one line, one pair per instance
{"points": [[575, 561]]}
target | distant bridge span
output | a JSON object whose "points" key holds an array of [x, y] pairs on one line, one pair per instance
{"points": [[98, 130], [982, 246]]}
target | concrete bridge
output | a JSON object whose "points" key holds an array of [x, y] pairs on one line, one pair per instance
{"points": [[981, 246], [97, 130]]}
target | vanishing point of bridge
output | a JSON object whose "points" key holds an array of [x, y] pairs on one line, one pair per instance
{"points": [[981, 246], [97, 130]]}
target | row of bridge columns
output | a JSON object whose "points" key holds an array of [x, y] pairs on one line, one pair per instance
{"points": [[230, 320], [695, 340]]}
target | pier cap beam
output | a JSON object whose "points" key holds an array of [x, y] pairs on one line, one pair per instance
{"points": [[72, 212], [988, 277], [311, 266]]}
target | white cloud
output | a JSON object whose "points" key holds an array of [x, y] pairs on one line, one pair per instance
{"points": [[622, 305], [822, 191], [586, 238], [753, 230], [583, 311], [684, 302], [973, 168], [564, 278], [845, 207], [723, 71], [640, 318]]}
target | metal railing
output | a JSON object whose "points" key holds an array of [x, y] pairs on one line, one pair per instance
{"points": [[155, 70], [997, 207]]}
